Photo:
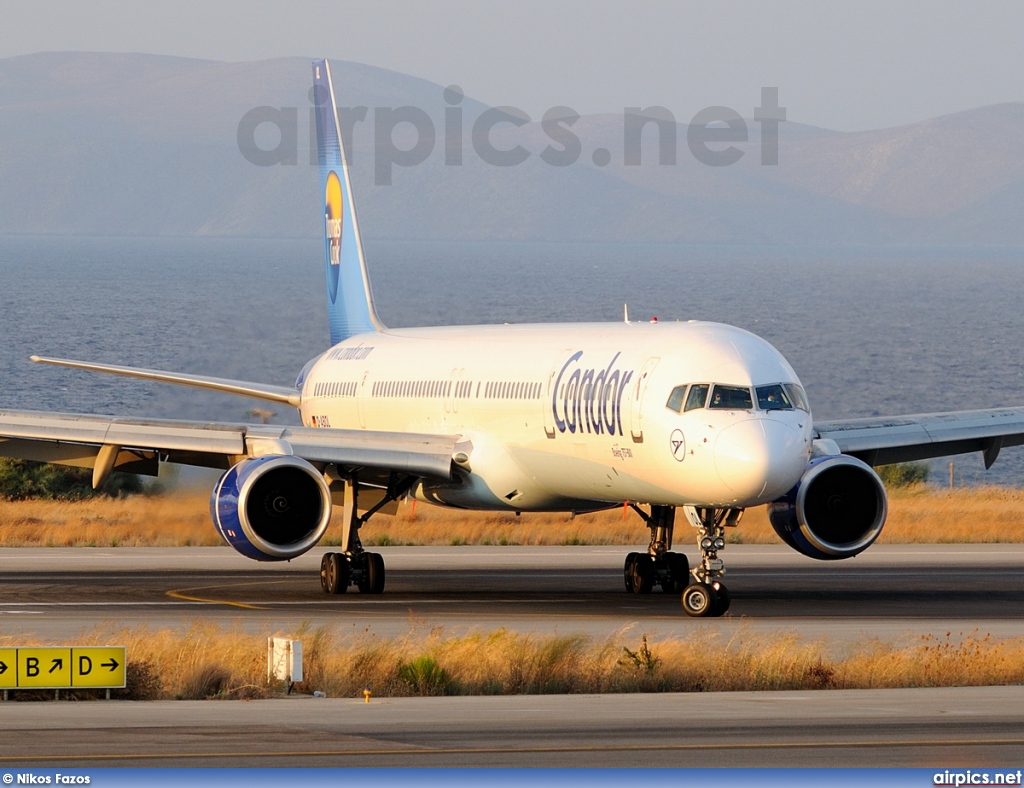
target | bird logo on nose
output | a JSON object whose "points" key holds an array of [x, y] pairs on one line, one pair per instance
{"points": [[678, 444]]}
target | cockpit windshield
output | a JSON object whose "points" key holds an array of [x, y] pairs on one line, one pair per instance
{"points": [[730, 398], [773, 398], [776, 396]]}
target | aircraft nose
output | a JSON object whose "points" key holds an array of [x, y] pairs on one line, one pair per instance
{"points": [[759, 459]]}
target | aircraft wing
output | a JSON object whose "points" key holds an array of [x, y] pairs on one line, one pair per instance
{"points": [[882, 441], [263, 391], [105, 443]]}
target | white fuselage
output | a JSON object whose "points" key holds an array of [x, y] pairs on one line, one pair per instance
{"points": [[572, 416]]}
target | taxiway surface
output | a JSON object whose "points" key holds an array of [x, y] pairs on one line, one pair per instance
{"points": [[889, 592], [894, 593], [947, 728]]}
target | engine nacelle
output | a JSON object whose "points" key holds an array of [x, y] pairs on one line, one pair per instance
{"points": [[836, 510], [271, 508]]}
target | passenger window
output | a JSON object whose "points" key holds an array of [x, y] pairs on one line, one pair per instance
{"points": [[773, 398], [675, 399], [698, 396], [731, 398]]}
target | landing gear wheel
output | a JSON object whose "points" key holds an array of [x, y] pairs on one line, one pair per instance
{"points": [[375, 570], [678, 573], [724, 599], [700, 601], [642, 574], [323, 573], [334, 573], [372, 580], [627, 571]]}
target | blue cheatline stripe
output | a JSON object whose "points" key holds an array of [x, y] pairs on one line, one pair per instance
{"points": [[350, 308]]}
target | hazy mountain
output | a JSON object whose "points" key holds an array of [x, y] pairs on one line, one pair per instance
{"points": [[112, 144]]}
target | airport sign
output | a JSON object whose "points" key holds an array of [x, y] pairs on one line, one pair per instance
{"points": [[96, 667]]}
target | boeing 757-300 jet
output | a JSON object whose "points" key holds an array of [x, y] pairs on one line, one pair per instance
{"points": [[697, 416]]}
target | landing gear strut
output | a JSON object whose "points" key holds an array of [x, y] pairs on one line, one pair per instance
{"points": [[355, 566], [659, 565], [706, 595]]}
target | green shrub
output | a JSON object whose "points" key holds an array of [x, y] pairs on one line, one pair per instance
{"points": [[23, 479], [425, 676], [904, 474]]}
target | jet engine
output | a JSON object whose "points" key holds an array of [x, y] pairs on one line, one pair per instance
{"points": [[271, 508], [836, 510]]}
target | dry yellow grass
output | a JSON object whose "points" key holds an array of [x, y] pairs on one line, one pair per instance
{"points": [[925, 515], [160, 521], [916, 515], [209, 662]]}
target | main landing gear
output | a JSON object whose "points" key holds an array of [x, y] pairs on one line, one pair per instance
{"points": [[659, 565], [703, 593], [340, 570], [355, 566]]}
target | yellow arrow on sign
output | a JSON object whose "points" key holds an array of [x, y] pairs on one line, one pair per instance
{"points": [[44, 668], [8, 668], [99, 666]]}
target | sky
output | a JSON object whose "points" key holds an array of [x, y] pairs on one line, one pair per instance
{"points": [[841, 64]]}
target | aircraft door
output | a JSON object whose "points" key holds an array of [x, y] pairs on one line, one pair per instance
{"points": [[548, 402], [451, 397], [361, 400], [636, 400]]}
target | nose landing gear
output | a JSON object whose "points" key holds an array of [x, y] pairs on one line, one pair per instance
{"points": [[706, 595]]}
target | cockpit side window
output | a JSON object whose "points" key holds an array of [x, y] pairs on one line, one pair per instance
{"points": [[697, 397], [675, 399], [773, 397], [797, 396], [731, 398]]}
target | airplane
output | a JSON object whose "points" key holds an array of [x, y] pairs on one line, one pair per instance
{"points": [[695, 416]]}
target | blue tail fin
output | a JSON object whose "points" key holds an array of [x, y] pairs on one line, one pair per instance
{"points": [[349, 300]]}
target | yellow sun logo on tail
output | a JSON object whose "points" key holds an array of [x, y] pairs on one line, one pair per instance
{"points": [[332, 213]]}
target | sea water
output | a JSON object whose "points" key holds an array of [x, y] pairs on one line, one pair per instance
{"points": [[870, 331]]}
